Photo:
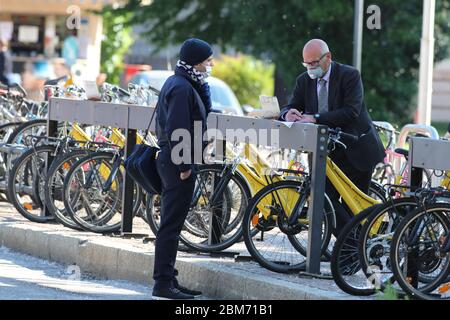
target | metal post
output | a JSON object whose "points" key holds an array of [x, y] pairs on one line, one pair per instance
{"points": [[52, 131], [416, 176], [426, 63], [315, 212], [358, 33], [128, 192], [215, 218]]}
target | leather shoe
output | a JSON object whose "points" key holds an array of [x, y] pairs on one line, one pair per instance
{"points": [[189, 291], [170, 294]]}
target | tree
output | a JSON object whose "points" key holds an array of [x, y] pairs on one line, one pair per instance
{"points": [[247, 77], [115, 43], [277, 30]]}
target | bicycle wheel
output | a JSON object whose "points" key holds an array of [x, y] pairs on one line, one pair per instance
{"points": [[376, 236], [345, 265], [272, 240], [197, 232], [5, 131], [22, 190], [153, 211], [37, 127], [376, 191], [53, 188], [418, 247], [89, 200]]}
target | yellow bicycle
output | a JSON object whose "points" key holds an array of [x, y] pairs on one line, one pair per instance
{"points": [[275, 224]]}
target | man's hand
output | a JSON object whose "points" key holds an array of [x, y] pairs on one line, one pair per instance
{"points": [[307, 119], [185, 175], [293, 115]]}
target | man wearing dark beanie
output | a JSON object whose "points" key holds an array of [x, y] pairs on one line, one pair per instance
{"points": [[184, 98]]}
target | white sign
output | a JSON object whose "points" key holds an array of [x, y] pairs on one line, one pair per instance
{"points": [[6, 30], [28, 34], [269, 104], [91, 89]]}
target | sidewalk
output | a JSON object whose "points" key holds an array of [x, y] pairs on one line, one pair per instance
{"points": [[132, 259]]}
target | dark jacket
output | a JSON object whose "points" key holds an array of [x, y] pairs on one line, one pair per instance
{"points": [[5, 66], [346, 110], [181, 102]]}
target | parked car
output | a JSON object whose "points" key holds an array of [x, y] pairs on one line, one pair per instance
{"points": [[223, 98]]}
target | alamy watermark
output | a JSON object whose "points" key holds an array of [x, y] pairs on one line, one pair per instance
{"points": [[188, 149], [73, 21], [374, 20]]}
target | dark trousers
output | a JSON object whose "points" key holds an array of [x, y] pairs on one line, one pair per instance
{"points": [[360, 178], [175, 202]]}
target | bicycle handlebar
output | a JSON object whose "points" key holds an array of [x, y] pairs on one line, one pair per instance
{"points": [[348, 136], [154, 89], [54, 82], [123, 91], [19, 88]]}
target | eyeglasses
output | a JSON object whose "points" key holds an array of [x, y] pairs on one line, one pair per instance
{"points": [[313, 63]]}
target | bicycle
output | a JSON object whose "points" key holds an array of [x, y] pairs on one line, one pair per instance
{"points": [[280, 211], [421, 245]]}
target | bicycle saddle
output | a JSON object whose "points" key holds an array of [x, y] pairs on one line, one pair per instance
{"points": [[403, 152]]}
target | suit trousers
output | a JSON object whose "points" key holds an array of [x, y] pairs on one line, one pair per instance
{"points": [[176, 198], [360, 178]]}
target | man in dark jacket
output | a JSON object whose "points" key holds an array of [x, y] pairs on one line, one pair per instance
{"points": [[5, 63], [332, 94], [184, 100]]}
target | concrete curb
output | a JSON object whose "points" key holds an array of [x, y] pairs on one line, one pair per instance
{"points": [[109, 259]]}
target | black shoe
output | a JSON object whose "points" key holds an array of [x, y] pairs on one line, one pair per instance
{"points": [[189, 291], [170, 294]]}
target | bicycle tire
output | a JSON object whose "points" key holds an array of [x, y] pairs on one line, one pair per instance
{"points": [[234, 224], [265, 225], [60, 214], [36, 202], [345, 257], [99, 226], [425, 292]]}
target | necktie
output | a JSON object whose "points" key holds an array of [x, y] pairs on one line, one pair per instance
{"points": [[323, 96]]}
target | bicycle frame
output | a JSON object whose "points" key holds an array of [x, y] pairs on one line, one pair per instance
{"points": [[355, 199]]}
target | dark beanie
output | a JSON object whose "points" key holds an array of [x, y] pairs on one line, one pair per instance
{"points": [[194, 51]]}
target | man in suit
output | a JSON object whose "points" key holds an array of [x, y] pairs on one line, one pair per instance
{"points": [[331, 94]]}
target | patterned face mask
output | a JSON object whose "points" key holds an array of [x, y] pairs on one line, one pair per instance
{"points": [[195, 75]]}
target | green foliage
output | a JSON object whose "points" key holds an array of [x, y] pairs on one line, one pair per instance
{"points": [[389, 293], [115, 43], [277, 30], [246, 76]]}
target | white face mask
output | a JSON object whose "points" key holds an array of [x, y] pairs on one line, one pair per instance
{"points": [[316, 72]]}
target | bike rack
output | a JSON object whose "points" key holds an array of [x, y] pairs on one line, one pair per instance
{"points": [[306, 137], [424, 153], [415, 128], [128, 117], [271, 133]]}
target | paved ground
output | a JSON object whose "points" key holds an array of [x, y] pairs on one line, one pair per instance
{"points": [[23, 277], [132, 259]]}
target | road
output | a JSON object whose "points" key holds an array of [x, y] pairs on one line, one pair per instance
{"points": [[23, 277]]}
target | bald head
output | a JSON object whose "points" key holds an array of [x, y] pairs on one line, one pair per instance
{"points": [[316, 53], [316, 46]]}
